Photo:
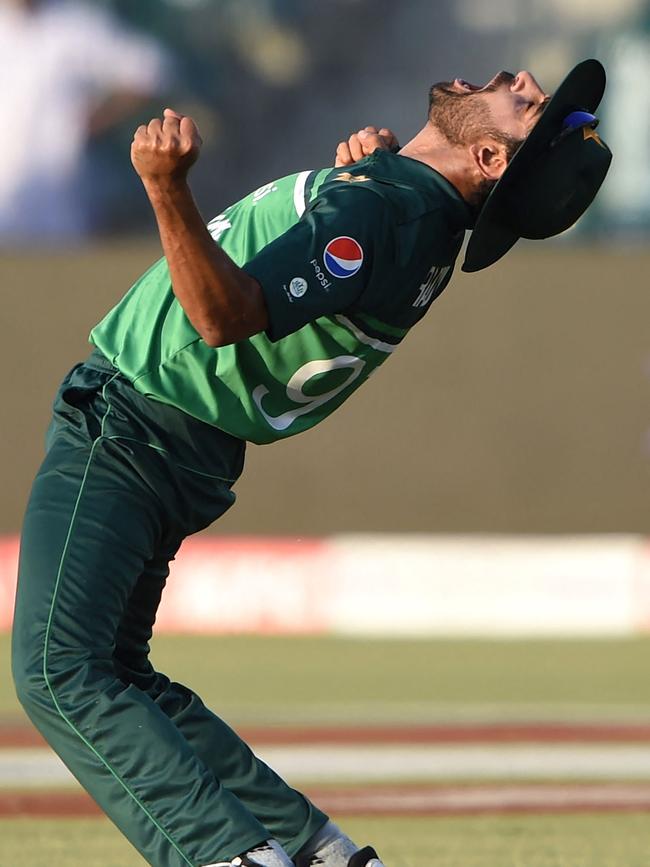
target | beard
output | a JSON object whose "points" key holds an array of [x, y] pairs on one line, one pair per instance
{"points": [[463, 117]]}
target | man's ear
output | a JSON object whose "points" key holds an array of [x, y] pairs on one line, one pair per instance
{"points": [[490, 158]]}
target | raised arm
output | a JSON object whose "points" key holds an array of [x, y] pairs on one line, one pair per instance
{"points": [[223, 302]]}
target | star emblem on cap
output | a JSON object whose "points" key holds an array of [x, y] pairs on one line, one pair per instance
{"points": [[590, 133]]}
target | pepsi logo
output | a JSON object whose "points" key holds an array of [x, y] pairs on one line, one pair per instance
{"points": [[343, 257]]}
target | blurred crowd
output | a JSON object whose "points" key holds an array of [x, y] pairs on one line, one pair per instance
{"points": [[274, 85]]}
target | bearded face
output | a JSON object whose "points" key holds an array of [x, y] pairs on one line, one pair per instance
{"points": [[461, 112]]}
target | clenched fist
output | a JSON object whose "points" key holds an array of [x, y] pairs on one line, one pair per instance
{"points": [[363, 143], [165, 148]]}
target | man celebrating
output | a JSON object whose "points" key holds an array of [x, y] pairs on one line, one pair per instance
{"points": [[315, 280]]}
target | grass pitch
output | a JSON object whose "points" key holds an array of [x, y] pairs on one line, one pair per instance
{"points": [[502, 841], [317, 680]]}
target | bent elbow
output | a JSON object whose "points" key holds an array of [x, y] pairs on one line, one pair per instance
{"points": [[235, 323], [215, 336], [212, 336]]}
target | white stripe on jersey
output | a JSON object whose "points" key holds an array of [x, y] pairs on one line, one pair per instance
{"points": [[299, 193]]}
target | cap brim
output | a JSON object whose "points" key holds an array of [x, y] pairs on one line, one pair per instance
{"points": [[491, 238]]}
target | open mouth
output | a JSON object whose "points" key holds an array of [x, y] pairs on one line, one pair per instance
{"points": [[461, 84], [500, 78]]}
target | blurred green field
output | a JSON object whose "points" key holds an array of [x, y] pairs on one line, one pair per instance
{"points": [[312, 680], [315, 680], [501, 841]]}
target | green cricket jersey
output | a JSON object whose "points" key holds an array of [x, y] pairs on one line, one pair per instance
{"points": [[348, 261]]}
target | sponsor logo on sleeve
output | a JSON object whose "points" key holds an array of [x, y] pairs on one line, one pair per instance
{"points": [[298, 286], [343, 257], [319, 274]]}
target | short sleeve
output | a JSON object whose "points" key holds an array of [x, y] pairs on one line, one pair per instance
{"points": [[326, 261]]}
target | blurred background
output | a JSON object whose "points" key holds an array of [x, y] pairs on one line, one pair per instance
{"points": [[519, 405], [490, 484], [274, 84]]}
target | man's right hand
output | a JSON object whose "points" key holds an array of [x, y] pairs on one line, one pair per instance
{"points": [[223, 302], [167, 148], [364, 142]]}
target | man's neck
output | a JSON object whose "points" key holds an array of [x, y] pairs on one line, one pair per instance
{"points": [[429, 146]]}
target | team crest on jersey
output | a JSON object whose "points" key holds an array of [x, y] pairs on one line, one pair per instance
{"points": [[298, 286], [343, 257]]}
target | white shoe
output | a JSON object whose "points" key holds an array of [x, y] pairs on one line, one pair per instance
{"points": [[269, 854], [366, 857]]}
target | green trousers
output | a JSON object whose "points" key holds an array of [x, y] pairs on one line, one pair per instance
{"points": [[124, 481]]}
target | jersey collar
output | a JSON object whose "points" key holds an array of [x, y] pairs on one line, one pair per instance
{"points": [[405, 171]]}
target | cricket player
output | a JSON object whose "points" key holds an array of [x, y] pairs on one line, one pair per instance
{"points": [[253, 329]]}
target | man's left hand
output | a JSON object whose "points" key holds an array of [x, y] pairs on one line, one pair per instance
{"points": [[364, 142]]}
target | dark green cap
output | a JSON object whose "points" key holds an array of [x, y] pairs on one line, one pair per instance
{"points": [[553, 177]]}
